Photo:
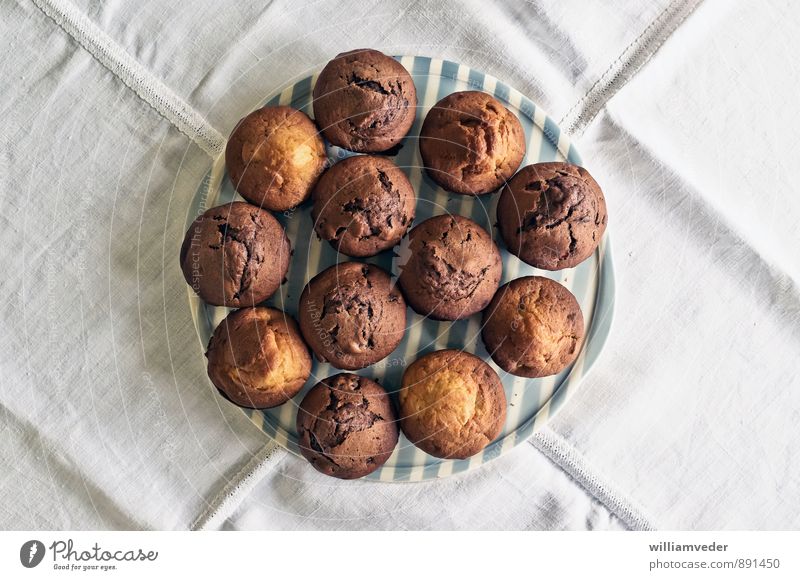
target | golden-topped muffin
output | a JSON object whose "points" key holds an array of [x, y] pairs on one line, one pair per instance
{"points": [[274, 157], [452, 404], [470, 143], [257, 357], [533, 327]]}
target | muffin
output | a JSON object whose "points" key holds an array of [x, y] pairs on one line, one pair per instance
{"points": [[351, 315], [452, 404], [346, 426], [533, 327], [363, 205], [257, 358], [364, 101], [452, 268], [274, 157], [470, 143], [552, 215], [235, 255]]}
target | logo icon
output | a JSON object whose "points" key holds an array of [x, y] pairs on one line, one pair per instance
{"points": [[31, 553]]}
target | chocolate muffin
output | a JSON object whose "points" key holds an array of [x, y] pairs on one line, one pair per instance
{"points": [[363, 205], [351, 315], [552, 215], [533, 327], [274, 157], [470, 143], [346, 426], [235, 255], [452, 404], [452, 268], [257, 358], [364, 101]]}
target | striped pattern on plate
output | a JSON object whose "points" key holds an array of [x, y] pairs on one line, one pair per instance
{"points": [[531, 401]]}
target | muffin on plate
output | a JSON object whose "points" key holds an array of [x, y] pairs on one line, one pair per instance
{"points": [[364, 101], [452, 404], [351, 315], [274, 157], [533, 327], [452, 268], [257, 358], [235, 255], [470, 143], [346, 426], [552, 215], [363, 205]]}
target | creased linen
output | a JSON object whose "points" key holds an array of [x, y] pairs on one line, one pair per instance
{"points": [[690, 415]]}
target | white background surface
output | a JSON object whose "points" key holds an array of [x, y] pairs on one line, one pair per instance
{"points": [[690, 416]]}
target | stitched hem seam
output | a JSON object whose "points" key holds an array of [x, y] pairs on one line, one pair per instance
{"points": [[232, 495], [126, 68], [566, 457], [630, 61]]}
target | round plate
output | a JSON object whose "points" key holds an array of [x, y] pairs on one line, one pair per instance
{"points": [[532, 402]]}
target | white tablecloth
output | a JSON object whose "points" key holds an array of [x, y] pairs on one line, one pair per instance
{"points": [[684, 111]]}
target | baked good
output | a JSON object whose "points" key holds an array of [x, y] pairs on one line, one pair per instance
{"points": [[452, 268], [346, 426], [452, 404], [470, 143], [257, 358], [235, 255], [363, 205], [533, 327], [351, 315], [364, 101], [274, 157], [552, 215]]}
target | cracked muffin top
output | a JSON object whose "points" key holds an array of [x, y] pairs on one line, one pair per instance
{"points": [[235, 255], [364, 101], [452, 268], [274, 157], [452, 404], [363, 205], [470, 143], [257, 358], [346, 426], [352, 315], [533, 327], [552, 215]]}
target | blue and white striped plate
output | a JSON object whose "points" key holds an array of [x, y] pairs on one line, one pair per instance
{"points": [[531, 401]]}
